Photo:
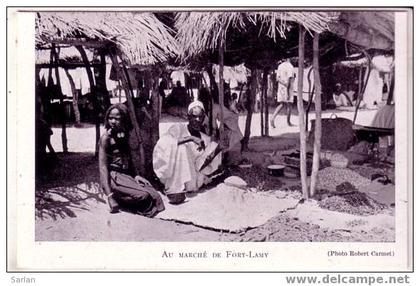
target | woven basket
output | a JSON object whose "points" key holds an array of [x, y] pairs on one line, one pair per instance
{"points": [[337, 133], [339, 164]]}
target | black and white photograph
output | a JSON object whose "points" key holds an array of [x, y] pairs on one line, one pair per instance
{"points": [[229, 126]]}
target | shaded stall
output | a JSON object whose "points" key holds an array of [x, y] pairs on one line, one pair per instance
{"points": [[127, 38], [373, 30], [197, 39]]}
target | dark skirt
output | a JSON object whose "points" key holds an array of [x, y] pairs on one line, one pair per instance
{"points": [[135, 197]]}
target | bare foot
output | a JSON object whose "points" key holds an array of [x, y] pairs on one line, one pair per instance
{"points": [[113, 205]]}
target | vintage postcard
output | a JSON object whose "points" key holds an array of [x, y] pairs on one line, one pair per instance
{"points": [[272, 139]]}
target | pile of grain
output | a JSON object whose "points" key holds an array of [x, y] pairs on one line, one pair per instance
{"points": [[329, 178], [353, 203], [257, 177], [285, 228]]}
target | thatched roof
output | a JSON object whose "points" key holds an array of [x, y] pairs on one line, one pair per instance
{"points": [[139, 36], [201, 31], [369, 29]]}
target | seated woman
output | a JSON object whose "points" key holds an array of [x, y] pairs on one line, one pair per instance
{"points": [[117, 177], [340, 99], [179, 155]]}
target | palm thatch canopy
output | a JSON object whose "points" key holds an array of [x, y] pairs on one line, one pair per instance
{"points": [[201, 31], [139, 36], [369, 29]]}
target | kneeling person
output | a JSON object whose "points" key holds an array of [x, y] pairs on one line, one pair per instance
{"points": [[179, 156], [116, 171]]}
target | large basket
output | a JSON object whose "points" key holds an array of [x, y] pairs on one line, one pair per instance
{"points": [[337, 133]]}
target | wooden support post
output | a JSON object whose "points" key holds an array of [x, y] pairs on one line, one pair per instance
{"points": [[301, 110], [360, 96], [87, 66], [125, 81], [211, 90], [240, 96], [150, 126], [391, 90], [154, 85], [359, 85], [261, 89], [62, 107], [265, 106], [75, 97], [251, 92], [221, 87], [310, 98], [101, 79], [50, 81], [93, 91], [318, 115]]}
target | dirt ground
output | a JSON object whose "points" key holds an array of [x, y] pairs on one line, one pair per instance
{"points": [[70, 207]]}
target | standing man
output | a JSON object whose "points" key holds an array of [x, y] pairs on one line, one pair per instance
{"points": [[285, 78]]}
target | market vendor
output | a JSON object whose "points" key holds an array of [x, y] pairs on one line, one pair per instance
{"points": [[179, 155], [340, 99], [116, 169]]}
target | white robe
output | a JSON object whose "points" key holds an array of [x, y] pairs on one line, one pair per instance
{"points": [[284, 72], [373, 91], [177, 166], [340, 100]]}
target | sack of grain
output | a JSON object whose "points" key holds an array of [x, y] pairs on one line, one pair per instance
{"points": [[337, 134]]}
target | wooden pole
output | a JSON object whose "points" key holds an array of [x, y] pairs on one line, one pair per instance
{"points": [[119, 90], [154, 84], [63, 113], [308, 108], [221, 86], [87, 66], [75, 97], [391, 90], [240, 95], [101, 79], [265, 90], [50, 81], [93, 91], [251, 92], [125, 81], [318, 115], [212, 89], [359, 85], [301, 110], [360, 96], [150, 126], [310, 98], [261, 89]]}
